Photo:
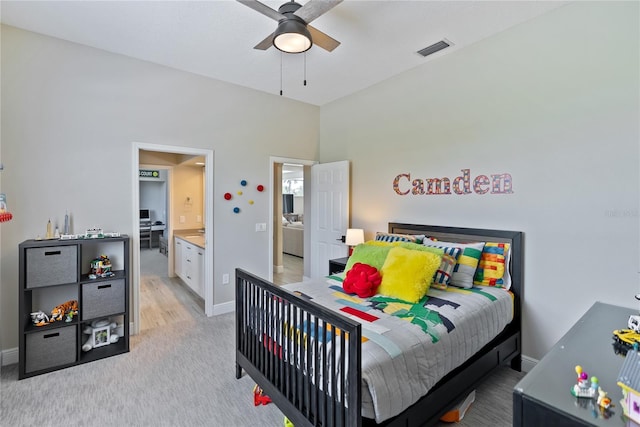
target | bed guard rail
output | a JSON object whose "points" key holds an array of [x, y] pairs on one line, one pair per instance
{"points": [[304, 356]]}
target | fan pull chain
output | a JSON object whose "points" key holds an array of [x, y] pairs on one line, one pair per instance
{"points": [[281, 73], [305, 68]]}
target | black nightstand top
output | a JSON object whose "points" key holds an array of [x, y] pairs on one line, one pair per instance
{"points": [[337, 265]]}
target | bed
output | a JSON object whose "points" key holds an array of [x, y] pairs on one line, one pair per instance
{"points": [[308, 358]]}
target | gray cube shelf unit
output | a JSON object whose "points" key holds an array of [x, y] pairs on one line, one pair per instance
{"points": [[55, 271]]}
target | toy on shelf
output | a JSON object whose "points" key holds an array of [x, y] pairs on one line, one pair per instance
{"points": [[60, 312], [583, 387], [101, 332], [39, 318], [101, 267], [5, 215], [94, 233]]}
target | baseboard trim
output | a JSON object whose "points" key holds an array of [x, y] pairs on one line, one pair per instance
{"points": [[528, 363], [227, 307], [9, 357]]}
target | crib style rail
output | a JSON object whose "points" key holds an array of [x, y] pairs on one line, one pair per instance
{"points": [[306, 358]]}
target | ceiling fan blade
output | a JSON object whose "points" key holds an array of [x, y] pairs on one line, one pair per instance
{"points": [[319, 38], [263, 9], [266, 43], [315, 8]]}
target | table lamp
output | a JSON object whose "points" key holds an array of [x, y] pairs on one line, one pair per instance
{"points": [[354, 237]]}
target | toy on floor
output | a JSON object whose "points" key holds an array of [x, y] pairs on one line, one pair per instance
{"points": [[99, 324], [259, 398], [39, 318], [58, 313]]}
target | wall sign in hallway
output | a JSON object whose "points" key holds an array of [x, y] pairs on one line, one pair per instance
{"points": [[149, 173]]}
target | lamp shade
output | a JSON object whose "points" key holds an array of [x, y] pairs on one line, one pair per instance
{"points": [[292, 36], [355, 236]]}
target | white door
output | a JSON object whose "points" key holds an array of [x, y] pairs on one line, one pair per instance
{"points": [[329, 214]]}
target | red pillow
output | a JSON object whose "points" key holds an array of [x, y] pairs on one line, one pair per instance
{"points": [[362, 280]]}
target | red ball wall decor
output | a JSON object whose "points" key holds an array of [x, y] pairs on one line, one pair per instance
{"points": [[260, 187], [227, 196]]}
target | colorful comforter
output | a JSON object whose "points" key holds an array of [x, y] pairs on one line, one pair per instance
{"points": [[407, 348]]}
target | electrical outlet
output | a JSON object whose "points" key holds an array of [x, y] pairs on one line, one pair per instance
{"points": [[198, 218], [182, 219], [261, 226], [225, 279]]}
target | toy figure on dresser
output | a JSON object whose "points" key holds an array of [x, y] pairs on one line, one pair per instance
{"points": [[59, 312], [625, 339], [101, 267], [629, 382], [584, 387]]}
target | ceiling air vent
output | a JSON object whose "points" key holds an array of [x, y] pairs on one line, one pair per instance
{"points": [[434, 48]]}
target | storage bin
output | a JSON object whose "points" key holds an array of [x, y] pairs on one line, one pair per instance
{"points": [[51, 265], [102, 299], [50, 348]]}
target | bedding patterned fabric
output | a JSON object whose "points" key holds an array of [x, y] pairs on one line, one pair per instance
{"points": [[407, 348]]}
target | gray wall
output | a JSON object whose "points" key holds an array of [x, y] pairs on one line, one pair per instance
{"points": [[553, 102], [70, 115]]}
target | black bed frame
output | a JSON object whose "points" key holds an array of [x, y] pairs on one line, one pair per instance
{"points": [[264, 317]]}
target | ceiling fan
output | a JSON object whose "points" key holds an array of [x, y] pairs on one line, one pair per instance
{"points": [[294, 34]]}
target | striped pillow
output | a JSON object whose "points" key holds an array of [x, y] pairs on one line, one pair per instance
{"points": [[443, 275], [390, 237], [467, 263], [493, 266]]}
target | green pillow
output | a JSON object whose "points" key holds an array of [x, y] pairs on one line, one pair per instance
{"points": [[419, 247], [372, 255]]}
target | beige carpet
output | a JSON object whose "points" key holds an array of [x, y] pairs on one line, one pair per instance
{"points": [[180, 373]]}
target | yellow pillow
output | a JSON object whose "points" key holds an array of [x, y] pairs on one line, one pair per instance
{"points": [[407, 274]]}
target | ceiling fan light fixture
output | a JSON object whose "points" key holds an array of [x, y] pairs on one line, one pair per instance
{"points": [[292, 36]]}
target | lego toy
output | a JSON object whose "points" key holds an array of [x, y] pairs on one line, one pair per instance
{"points": [[259, 398], [583, 387], [629, 381], [101, 267], [39, 318]]}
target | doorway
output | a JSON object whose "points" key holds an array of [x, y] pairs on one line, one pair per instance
{"points": [[290, 233], [289, 262], [165, 157]]}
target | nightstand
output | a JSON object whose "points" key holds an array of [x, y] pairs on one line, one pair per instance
{"points": [[337, 265]]}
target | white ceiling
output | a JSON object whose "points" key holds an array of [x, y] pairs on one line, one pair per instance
{"points": [[216, 38]]}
